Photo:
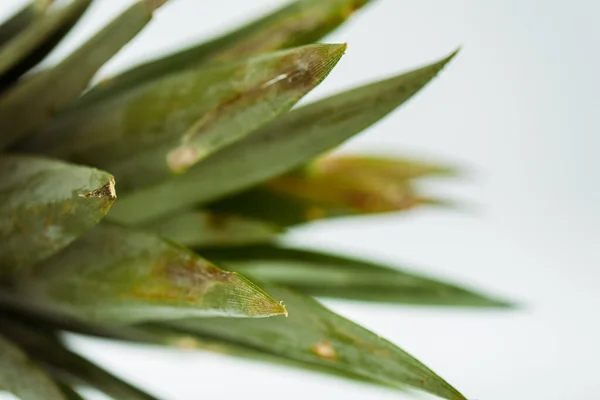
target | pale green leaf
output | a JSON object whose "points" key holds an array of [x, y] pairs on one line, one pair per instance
{"points": [[118, 275]]}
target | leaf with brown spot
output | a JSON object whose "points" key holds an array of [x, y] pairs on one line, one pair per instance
{"points": [[22, 377], [357, 351], [299, 23], [119, 275], [43, 207], [166, 126], [329, 275], [285, 144], [28, 105]]}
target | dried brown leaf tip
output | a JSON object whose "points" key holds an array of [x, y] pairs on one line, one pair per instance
{"points": [[105, 191], [324, 350]]}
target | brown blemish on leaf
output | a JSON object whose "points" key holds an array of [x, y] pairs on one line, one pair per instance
{"points": [[324, 350], [217, 221], [315, 213], [180, 281], [105, 191]]}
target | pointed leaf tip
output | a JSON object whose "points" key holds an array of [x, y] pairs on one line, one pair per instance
{"points": [[123, 276]]}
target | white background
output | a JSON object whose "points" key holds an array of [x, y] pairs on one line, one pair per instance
{"points": [[519, 108]]}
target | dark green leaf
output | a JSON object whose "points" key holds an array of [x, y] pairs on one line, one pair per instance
{"points": [[23, 378], [27, 106], [329, 275], [118, 275], [69, 367], [203, 228], [313, 334], [69, 393], [45, 205], [34, 42], [22, 19], [163, 128], [277, 148], [297, 24]]}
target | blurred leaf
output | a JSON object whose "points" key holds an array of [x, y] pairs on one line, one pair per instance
{"points": [[118, 275], [68, 367], [313, 334], [329, 275], [203, 228], [33, 43], [23, 378], [392, 168], [168, 125], [69, 393], [299, 23], [22, 19], [296, 199], [288, 142], [173, 338], [27, 106], [45, 205], [335, 186]]}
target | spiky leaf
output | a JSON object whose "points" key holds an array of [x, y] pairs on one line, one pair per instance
{"points": [[29, 105], [297, 24], [22, 19], [170, 124], [315, 335], [329, 275], [277, 148], [34, 42], [21, 377], [119, 275], [45, 205]]}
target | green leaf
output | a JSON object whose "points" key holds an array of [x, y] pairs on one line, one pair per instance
{"points": [[168, 125], [329, 275], [45, 205], [68, 367], [69, 393], [22, 19], [34, 42], [283, 145], [313, 334], [23, 378], [204, 228], [172, 337], [29, 105], [117, 275], [297, 24]]}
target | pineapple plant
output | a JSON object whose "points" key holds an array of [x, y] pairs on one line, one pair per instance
{"points": [[150, 206]]}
